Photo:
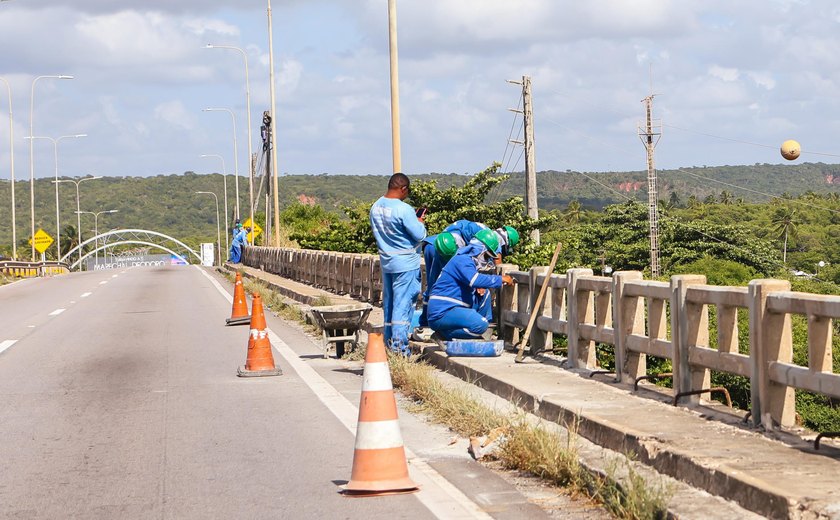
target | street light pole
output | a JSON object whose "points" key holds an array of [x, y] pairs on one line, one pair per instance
{"points": [[96, 231], [218, 231], [250, 139], [224, 177], [57, 214], [273, 129], [78, 213], [12, 166], [32, 159], [235, 153], [396, 149]]}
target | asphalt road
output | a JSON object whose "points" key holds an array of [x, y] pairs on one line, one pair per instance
{"points": [[119, 399]]}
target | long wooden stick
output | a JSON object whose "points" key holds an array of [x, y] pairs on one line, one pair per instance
{"points": [[537, 304]]}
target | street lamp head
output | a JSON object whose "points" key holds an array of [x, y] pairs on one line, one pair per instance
{"points": [[209, 45], [65, 76], [112, 211], [80, 135]]}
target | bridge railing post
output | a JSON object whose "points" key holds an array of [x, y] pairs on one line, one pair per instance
{"points": [[581, 310], [507, 301], [628, 318], [689, 328], [771, 339], [539, 340]]}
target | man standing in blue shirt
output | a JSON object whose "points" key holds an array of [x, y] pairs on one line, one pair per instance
{"points": [[398, 232]]}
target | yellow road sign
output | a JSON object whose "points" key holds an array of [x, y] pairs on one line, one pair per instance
{"points": [[255, 230], [42, 240]]}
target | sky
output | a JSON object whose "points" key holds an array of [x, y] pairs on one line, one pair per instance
{"points": [[732, 81]]}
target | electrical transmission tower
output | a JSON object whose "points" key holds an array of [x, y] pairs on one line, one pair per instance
{"points": [[650, 135]]}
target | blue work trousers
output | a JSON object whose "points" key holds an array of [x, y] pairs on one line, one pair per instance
{"points": [[433, 268], [399, 295], [235, 253], [460, 323]]}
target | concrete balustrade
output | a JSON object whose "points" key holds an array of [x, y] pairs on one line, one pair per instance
{"points": [[632, 315]]}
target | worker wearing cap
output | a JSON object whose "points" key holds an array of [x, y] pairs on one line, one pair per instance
{"points": [[398, 231], [240, 240], [452, 313]]}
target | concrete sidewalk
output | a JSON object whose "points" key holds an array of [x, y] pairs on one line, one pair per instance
{"points": [[778, 475]]}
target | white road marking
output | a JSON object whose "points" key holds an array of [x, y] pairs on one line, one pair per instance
{"points": [[57, 312], [114, 276], [85, 295], [103, 282], [6, 344], [30, 326], [72, 301], [439, 495]]}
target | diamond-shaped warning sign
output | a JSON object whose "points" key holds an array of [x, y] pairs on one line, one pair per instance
{"points": [[255, 230], [42, 240]]}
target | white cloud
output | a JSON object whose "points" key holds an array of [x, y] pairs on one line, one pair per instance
{"points": [[174, 113], [724, 73], [143, 74]]}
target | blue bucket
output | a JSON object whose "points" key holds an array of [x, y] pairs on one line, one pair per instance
{"points": [[474, 348]]}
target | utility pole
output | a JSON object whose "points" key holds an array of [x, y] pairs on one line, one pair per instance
{"points": [[396, 149], [268, 138], [273, 130], [530, 160], [650, 135]]}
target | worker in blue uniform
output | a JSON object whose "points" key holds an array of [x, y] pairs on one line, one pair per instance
{"points": [[240, 240], [452, 312], [438, 249], [398, 231]]}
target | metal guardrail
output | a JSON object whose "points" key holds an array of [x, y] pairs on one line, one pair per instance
{"points": [[18, 269]]}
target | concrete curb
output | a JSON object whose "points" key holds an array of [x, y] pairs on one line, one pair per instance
{"points": [[754, 495]]}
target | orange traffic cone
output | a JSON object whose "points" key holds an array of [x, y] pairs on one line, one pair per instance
{"points": [[260, 360], [379, 465], [239, 313]]}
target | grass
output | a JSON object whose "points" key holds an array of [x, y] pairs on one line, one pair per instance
{"points": [[531, 447], [525, 446]]}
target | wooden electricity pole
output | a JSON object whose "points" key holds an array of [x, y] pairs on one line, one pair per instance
{"points": [[530, 160], [650, 136]]}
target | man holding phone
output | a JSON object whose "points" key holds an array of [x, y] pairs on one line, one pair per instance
{"points": [[398, 229]]}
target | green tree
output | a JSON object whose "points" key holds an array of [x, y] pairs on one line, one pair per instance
{"points": [[785, 226], [572, 212]]}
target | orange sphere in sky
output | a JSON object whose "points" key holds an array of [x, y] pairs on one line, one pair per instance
{"points": [[790, 150]]}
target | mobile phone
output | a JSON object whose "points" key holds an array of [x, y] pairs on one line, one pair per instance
{"points": [[421, 212]]}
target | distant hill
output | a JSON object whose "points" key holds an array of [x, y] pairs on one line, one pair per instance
{"points": [[167, 203]]}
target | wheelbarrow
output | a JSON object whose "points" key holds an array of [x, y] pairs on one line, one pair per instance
{"points": [[340, 324]]}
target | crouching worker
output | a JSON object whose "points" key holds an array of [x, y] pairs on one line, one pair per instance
{"points": [[453, 302]]}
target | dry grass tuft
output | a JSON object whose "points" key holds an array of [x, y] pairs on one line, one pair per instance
{"points": [[529, 447]]}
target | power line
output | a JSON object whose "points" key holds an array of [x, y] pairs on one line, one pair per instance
{"points": [[794, 201], [741, 141]]}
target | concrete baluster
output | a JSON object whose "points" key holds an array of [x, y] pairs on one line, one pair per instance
{"points": [[629, 318], [539, 339], [692, 329], [820, 334], [581, 310], [507, 301], [770, 341]]}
